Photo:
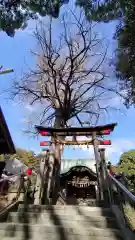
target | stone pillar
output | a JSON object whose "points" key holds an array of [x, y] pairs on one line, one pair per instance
{"points": [[98, 161], [39, 189], [66, 189], [21, 189], [97, 192], [50, 177], [103, 167], [56, 186], [104, 174]]}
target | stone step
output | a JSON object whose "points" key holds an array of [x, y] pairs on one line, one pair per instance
{"points": [[90, 202], [66, 209], [60, 237], [39, 231], [66, 220], [49, 215]]}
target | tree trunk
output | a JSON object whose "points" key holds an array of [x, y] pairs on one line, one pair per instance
{"points": [[54, 165], [56, 179]]}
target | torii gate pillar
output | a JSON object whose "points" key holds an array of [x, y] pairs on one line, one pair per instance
{"points": [[98, 161]]}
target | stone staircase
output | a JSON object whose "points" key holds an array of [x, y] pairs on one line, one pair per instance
{"points": [[60, 222]]}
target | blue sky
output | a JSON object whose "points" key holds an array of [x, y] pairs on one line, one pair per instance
{"points": [[15, 53]]}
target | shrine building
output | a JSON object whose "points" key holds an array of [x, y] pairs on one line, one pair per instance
{"points": [[78, 179]]}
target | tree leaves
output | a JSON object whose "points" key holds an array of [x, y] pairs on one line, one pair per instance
{"points": [[25, 156], [15, 14], [127, 166], [124, 12]]}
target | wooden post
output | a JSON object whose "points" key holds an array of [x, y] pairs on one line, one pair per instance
{"points": [[98, 161]]}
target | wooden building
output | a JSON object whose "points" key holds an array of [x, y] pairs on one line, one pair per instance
{"points": [[6, 147], [6, 143]]}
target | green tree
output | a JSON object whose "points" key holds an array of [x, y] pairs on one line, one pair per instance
{"points": [[15, 14], [25, 156], [124, 12], [127, 166], [2, 157]]}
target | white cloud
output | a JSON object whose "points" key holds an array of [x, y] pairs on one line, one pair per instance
{"points": [[31, 24], [35, 108], [29, 108], [25, 120], [118, 147], [115, 102], [114, 151], [16, 103]]}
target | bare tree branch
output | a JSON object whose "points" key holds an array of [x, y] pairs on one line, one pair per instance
{"points": [[69, 79]]}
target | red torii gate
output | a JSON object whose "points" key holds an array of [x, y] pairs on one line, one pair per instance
{"points": [[76, 131], [94, 132]]}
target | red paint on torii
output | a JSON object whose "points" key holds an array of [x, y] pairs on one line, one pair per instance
{"points": [[76, 131], [100, 142]]}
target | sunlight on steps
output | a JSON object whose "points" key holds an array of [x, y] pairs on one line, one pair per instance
{"points": [[60, 222]]}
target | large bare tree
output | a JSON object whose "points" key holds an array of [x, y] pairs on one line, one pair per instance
{"points": [[70, 79]]}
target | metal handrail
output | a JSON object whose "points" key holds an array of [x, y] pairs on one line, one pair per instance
{"points": [[122, 202], [119, 185]]}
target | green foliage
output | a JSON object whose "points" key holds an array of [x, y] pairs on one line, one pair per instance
{"points": [[130, 215], [127, 165], [127, 162], [99, 10], [125, 53], [124, 11], [27, 157], [15, 14], [2, 157]]}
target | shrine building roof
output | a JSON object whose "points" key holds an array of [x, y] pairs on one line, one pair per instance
{"points": [[67, 164]]}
